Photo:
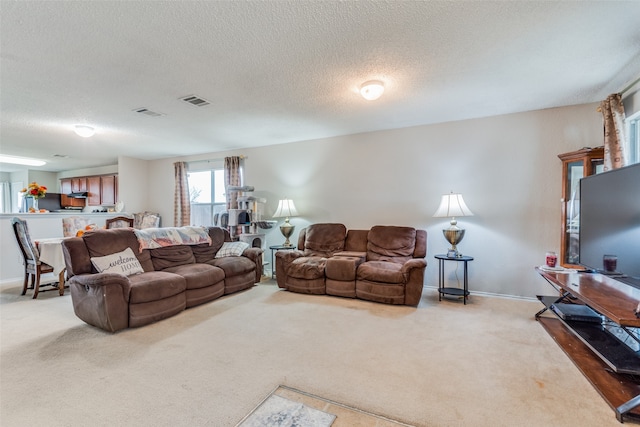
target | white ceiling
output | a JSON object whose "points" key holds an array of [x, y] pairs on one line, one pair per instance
{"points": [[278, 72]]}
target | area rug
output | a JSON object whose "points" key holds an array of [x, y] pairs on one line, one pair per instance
{"points": [[277, 411]]}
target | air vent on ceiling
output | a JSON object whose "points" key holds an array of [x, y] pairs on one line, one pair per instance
{"points": [[195, 100], [148, 112], [61, 156]]}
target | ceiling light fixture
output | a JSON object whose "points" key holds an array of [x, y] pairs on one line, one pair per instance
{"points": [[21, 161], [84, 131], [372, 90]]}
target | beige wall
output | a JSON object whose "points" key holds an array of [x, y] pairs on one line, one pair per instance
{"points": [[133, 184], [505, 166]]}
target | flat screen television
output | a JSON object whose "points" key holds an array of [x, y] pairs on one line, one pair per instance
{"points": [[610, 223]]}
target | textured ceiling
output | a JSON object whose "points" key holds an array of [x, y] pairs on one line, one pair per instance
{"points": [[278, 72]]}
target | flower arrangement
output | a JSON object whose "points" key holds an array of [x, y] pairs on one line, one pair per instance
{"points": [[34, 190]]}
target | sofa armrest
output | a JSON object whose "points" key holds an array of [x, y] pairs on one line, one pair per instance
{"points": [[283, 259], [413, 272], [101, 300], [411, 264], [255, 255]]}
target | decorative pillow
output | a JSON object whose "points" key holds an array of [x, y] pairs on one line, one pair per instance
{"points": [[232, 249], [124, 262]]}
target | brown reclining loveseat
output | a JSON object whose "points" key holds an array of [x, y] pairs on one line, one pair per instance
{"points": [[385, 264]]}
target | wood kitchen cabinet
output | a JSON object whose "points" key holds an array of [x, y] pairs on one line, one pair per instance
{"points": [[78, 185], [93, 188], [108, 189], [66, 187], [101, 190]]}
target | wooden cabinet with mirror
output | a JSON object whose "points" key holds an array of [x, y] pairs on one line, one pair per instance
{"points": [[575, 165]]}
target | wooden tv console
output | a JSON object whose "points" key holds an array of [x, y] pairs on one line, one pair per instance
{"points": [[611, 365]]}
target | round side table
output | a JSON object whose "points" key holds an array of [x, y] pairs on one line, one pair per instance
{"points": [[442, 290]]}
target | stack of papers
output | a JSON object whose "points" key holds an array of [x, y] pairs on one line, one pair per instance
{"points": [[556, 269]]}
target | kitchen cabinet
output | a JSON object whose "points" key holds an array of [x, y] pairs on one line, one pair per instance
{"points": [[108, 189], [575, 165], [101, 190], [93, 188], [78, 185], [66, 187]]}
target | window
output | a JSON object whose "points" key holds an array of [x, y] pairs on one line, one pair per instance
{"points": [[633, 132], [206, 193]]}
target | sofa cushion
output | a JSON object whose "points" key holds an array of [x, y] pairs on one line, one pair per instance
{"points": [[154, 286], [390, 243], [106, 242], [205, 252], [381, 271], [124, 262], [343, 267], [198, 275], [307, 267], [234, 266], [323, 240], [171, 256]]}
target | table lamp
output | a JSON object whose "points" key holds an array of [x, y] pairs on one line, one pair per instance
{"points": [[286, 208], [453, 205]]}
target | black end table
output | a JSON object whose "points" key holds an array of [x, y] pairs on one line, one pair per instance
{"points": [[274, 249], [452, 291]]}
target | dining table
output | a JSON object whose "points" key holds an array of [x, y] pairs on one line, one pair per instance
{"points": [[50, 250]]}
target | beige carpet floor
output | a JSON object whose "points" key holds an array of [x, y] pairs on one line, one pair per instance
{"points": [[442, 364]]}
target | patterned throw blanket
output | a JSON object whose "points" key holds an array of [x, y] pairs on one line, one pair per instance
{"points": [[152, 238]]}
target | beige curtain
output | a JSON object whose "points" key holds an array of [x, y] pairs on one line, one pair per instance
{"points": [[181, 202], [614, 140], [232, 178]]}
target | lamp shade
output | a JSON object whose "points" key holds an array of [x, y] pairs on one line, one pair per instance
{"points": [[452, 205], [286, 208]]}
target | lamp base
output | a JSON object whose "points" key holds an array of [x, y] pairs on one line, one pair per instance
{"points": [[287, 230], [454, 235]]}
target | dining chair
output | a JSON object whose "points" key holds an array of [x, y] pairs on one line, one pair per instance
{"points": [[146, 220], [33, 267], [72, 224], [119, 222]]}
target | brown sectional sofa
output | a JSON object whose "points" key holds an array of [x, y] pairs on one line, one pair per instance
{"points": [[174, 277], [385, 264]]}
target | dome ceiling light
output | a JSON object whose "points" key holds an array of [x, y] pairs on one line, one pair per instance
{"points": [[84, 131], [372, 90]]}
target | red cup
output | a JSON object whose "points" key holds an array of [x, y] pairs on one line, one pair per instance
{"points": [[610, 263], [551, 259]]}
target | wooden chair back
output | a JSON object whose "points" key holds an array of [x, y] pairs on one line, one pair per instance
{"points": [[33, 267], [27, 247], [119, 222]]}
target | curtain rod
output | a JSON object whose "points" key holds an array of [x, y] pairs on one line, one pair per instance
{"points": [[632, 84], [220, 159], [623, 91]]}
